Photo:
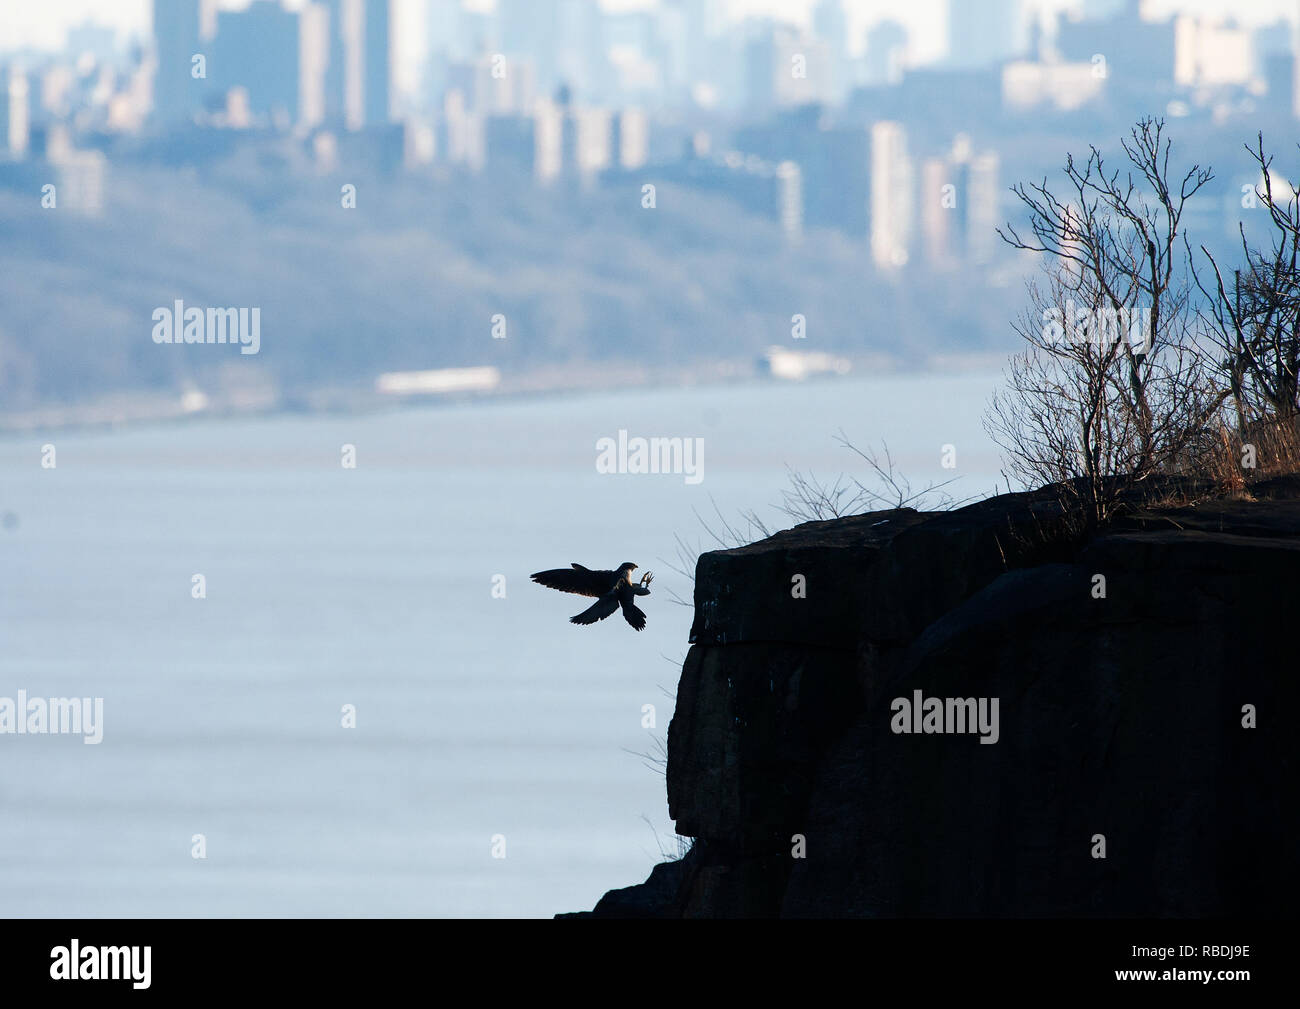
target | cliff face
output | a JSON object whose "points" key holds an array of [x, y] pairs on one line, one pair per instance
{"points": [[1093, 694]]}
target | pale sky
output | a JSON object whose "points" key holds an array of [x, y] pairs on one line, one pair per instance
{"points": [[43, 24]]}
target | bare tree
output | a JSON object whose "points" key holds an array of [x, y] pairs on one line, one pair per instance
{"points": [[1254, 318], [1067, 416], [1111, 386]]}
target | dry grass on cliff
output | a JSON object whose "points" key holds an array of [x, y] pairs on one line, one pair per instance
{"points": [[809, 498], [1232, 460]]}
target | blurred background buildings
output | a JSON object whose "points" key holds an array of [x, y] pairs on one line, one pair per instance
{"points": [[837, 129]]}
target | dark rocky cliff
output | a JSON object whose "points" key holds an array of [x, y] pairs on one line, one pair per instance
{"points": [[1119, 716]]}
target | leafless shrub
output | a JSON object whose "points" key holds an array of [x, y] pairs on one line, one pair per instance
{"points": [[1087, 406], [677, 846], [723, 533], [1254, 319], [674, 846], [1068, 414], [809, 499], [656, 758]]}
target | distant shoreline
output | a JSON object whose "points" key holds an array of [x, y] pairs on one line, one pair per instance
{"points": [[152, 407]]}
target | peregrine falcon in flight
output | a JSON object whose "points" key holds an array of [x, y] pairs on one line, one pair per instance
{"points": [[612, 589]]}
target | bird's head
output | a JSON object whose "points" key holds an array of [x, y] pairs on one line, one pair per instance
{"points": [[626, 568]]}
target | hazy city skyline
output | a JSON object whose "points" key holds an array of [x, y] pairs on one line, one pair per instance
{"points": [[561, 125], [45, 26]]}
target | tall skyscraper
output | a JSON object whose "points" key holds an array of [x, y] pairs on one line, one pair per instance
{"points": [[1139, 54], [703, 21], [446, 42], [891, 195], [630, 139], [936, 214], [1279, 81], [258, 49], [984, 32], [960, 205], [831, 25], [586, 140], [378, 61], [313, 62], [176, 32], [784, 68], [359, 69], [336, 69], [527, 29], [885, 49], [580, 57], [984, 208], [789, 200], [492, 88], [1209, 54], [14, 112]]}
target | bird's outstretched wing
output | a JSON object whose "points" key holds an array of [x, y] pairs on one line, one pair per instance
{"points": [[578, 580], [632, 613], [599, 610]]}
